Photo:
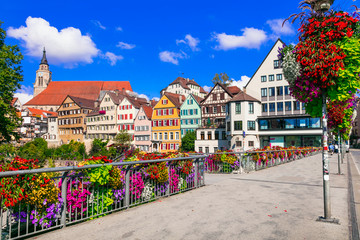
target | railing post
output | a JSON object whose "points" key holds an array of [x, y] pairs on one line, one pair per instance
{"points": [[127, 187], [197, 173], [63, 196], [247, 163]]}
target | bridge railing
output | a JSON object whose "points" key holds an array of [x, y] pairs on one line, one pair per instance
{"points": [[238, 162], [57, 197]]}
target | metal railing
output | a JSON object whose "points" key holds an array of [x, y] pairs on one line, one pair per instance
{"points": [[80, 199], [238, 162]]}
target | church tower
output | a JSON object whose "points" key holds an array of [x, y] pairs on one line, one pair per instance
{"points": [[43, 76]]}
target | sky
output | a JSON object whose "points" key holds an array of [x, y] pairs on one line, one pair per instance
{"points": [[149, 43]]}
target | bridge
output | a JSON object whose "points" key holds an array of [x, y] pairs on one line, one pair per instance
{"points": [[282, 202]]}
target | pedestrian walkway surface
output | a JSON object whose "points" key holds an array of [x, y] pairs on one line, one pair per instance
{"points": [[282, 202]]}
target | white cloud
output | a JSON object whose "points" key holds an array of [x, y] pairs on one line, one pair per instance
{"points": [[25, 93], [112, 58], [278, 29], [190, 41], [240, 83], [119, 29], [98, 24], [171, 57], [251, 38], [67, 46], [207, 88], [123, 45], [156, 99], [135, 94]]}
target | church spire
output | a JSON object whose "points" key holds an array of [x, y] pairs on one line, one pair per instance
{"points": [[44, 60]]}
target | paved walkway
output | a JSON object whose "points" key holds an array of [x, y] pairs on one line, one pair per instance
{"points": [[282, 202]]}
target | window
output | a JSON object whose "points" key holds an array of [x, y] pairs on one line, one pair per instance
{"points": [[287, 106], [286, 90], [280, 106], [278, 77], [271, 107], [264, 92], [303, 106], [209, 135], [264, 107], [276, 63], [296, 105], [165, 136], [202, 135], [264, 124], [200, 149], [223, 108], [223, 135], [237, 108], [279, 91], [206, 149], [271, 91], [263, 78], [237, 125], [251, 108], [164, 101], [160, 136], [271, 78], [251, 125], [215, 110], [171, 136], [251, 143], [216, 135], [238, 143], [176, 135]]}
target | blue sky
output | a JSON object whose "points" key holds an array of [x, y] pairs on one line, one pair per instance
{"points": [[148, 43]]}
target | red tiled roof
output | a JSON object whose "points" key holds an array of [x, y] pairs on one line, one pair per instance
{"points": [[234, 90], [13, 101], [153, 103], [175, 98], [197, 98], [243, 97], [202, 90], [136, 102], [44, 113], [83, 102], [56, 91], [148, 111]]}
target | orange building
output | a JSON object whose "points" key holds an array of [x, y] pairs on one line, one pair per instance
{"points": [[166, 123], [71, 118]]}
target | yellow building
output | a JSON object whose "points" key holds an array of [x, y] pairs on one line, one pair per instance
{"points": [[71, 118], [166, 123]]}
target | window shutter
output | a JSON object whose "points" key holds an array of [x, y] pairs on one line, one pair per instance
{"points": [[131, 116]]}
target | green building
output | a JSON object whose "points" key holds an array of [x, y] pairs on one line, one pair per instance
{"points": [[190, 114]]}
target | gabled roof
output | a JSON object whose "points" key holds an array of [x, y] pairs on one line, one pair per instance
{"points": [[175, 98], [197, 98], [229, 90], [56, 91], [180, 80], [82, 102], [45, 114], [135, 101], [148, 111], [202, 90], [243, 97], [153, 103], [263, 61], [116, 96], [13, 101]]}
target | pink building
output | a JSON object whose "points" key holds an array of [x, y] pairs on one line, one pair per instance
{"points": [[142, 124]]}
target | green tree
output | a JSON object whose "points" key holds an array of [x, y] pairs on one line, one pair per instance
{"points": [[188, 142], [98, 148], [222, 78], [35, 149], [123, 138], [10, 78], [7, 151]]}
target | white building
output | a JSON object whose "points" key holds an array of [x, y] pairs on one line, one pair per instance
{"points": [[283, 121], [52, 135], [241, 122], [209, 140], [185, 86]]}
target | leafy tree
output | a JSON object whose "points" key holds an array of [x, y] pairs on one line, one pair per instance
{"points": [[35, 149], [10, 76], [71, 151], [123, 138], [222, 78], [7, 150], [98, 148], [188, 141]]}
